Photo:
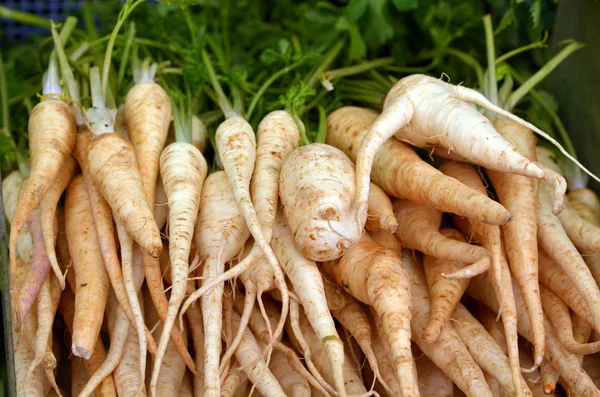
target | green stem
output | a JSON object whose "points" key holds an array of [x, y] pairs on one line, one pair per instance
{"points": [[379, 78], [218, 53], [492, 84], [296, 44], [538, 44], [541, 74], [210, 117], [268, 83], [88, 18], [181, 117], [79, 52], [418, 69], [328, 59], [67, 73], [223, 102], [4, 98], [326, 77], [125, 11], [562, 132], [130, 36], [67, 28], [25, 94], [470, 61], [322, 132], [190, 24], [177, 71], [28, 105], [316, 100], [96, 88], [24, 17], [225, 33], [303, 137]]}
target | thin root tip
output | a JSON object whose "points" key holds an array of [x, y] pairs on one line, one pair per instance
{"points": [[430, 334], [80, 351], [549, 389]]}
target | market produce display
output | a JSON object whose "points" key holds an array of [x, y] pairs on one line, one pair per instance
{"points": [[216, 217]]}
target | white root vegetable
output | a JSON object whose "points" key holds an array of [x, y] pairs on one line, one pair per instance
{"points": [[425, 111], [308, 284], [316, 187]]}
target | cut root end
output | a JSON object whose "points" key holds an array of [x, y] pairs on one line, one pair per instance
{"points": [[80, 351]]}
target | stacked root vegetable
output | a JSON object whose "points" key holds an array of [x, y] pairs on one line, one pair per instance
{"points": [[346, 268]]}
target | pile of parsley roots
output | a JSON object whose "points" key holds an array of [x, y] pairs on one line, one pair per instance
{"points": [[327, 198]]}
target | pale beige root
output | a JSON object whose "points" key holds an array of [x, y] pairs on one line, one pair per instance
{"points": [[147, 117], [352, 382], [118, 325], [445, 294], [119, 272], [79, 376], [519, 195], [120, 183], [316, 188], [24, 354], [182, 170], [261, 332], [227, 334], [51, 130], [308, 285], [558, 314], [66, 308], [196, 327], [48, 206], [495, 328], [220, 234], [582, 332], [533, 376], [553, 277], [236, 146], [491, 239], [375, 276], [171, 376], [92, 278], [12, 185], [433, 382], [249, 301], [349, 312], [186, 389], [47, 304], [248, 354], [236, 379], [292, 382], [485, 351], [378, 326], [389, 241], [549, 377], [584, 234], [387, 371], [380, 215], [566, 363], [554, 241], [448, 352], [126, 375], [129, 265], [587, 205], [587, 197], [449, 120], [418, 228], [401, 173]]}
